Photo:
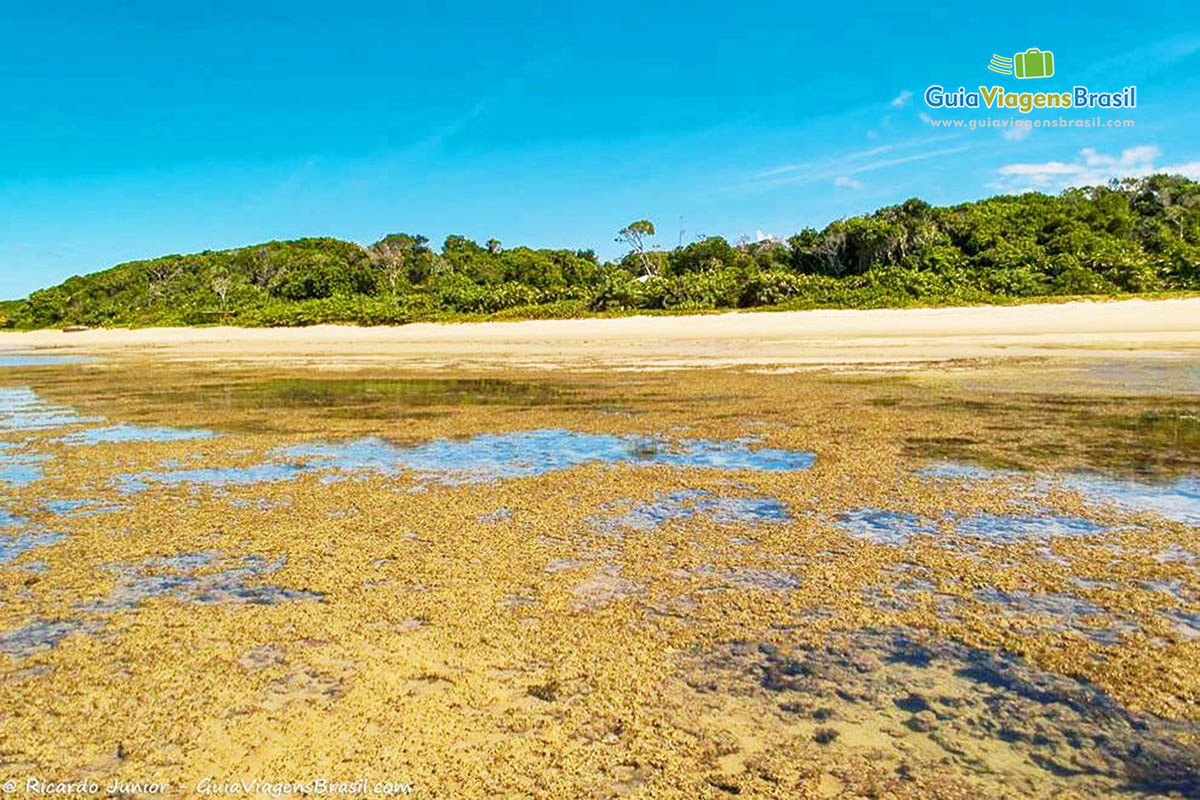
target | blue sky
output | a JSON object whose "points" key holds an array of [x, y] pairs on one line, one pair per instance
{"points": [[145, 128]]}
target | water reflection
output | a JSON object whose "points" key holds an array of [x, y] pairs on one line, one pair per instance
{"points": [[487, 457], [691, 503], [203, 578], [22, 409], [374, 397], [884, 527], [18, 467], [1177, 500], [125, 432], [9, 360], [17, 544], [896, 528]]}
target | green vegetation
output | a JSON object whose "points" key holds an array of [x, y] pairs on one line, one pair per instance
{"points": [[1136, 236]]}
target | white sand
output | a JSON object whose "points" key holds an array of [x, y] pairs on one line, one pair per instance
{"points": [[1128, 328]]}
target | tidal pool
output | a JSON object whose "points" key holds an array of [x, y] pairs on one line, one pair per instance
{"points": [[82, 507], [19, 467], [12, 360], [487, 458], [988, 714], [897, 528], [203, 578], [1006, 528], [1063, 611], [1177, 500], [23, 409], [689, 503], [126, 432], [38, 635], [13, 545], [885, 527], [190, 577]]}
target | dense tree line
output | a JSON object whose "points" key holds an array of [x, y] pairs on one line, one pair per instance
{"points": [[1134, 236]]}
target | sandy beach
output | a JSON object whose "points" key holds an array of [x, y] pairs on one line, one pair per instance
{"points": [[551, 560], [1130, 328]]}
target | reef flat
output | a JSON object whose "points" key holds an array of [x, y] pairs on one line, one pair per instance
{"points": [[962, 579]]}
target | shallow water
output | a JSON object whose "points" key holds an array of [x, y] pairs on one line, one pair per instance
{"points": [[686, 504], [1017, 528], [13, 545], [379, 398], [133, 433], [486, 458], [187, 577], [22, 409], [527, 453], [897, 528], [36, 636], [885, 527], [983, 713], [1177, 500], [43, 360], [956, 471], [203, 578], [19, 467], [83, 507], [1065, 611]]}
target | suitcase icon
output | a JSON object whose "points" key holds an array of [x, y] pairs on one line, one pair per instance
{"points": [[1033, 63]]}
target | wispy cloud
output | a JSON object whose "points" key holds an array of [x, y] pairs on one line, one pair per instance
{"points": [[783, 169], [901, 100], [894, 162], [881, 149], [1017, 133], [846, 182], [852, 163], [454, 126], [505, 88], [1089, 168]]}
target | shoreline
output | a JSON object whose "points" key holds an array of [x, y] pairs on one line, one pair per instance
{"points": [[1168, 328]]}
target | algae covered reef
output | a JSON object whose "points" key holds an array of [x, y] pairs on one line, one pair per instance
{"points": [[920, 583]]}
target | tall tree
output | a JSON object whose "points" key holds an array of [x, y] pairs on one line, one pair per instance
{"points": [[397, 257], [635, 235]]}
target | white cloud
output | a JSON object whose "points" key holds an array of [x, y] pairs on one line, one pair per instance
{"points": [[1089, 168], [1018, 133], [1044, 170], [925, 118], [1129, 158], [901, 100], [847, 182], [1188, 169]]}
